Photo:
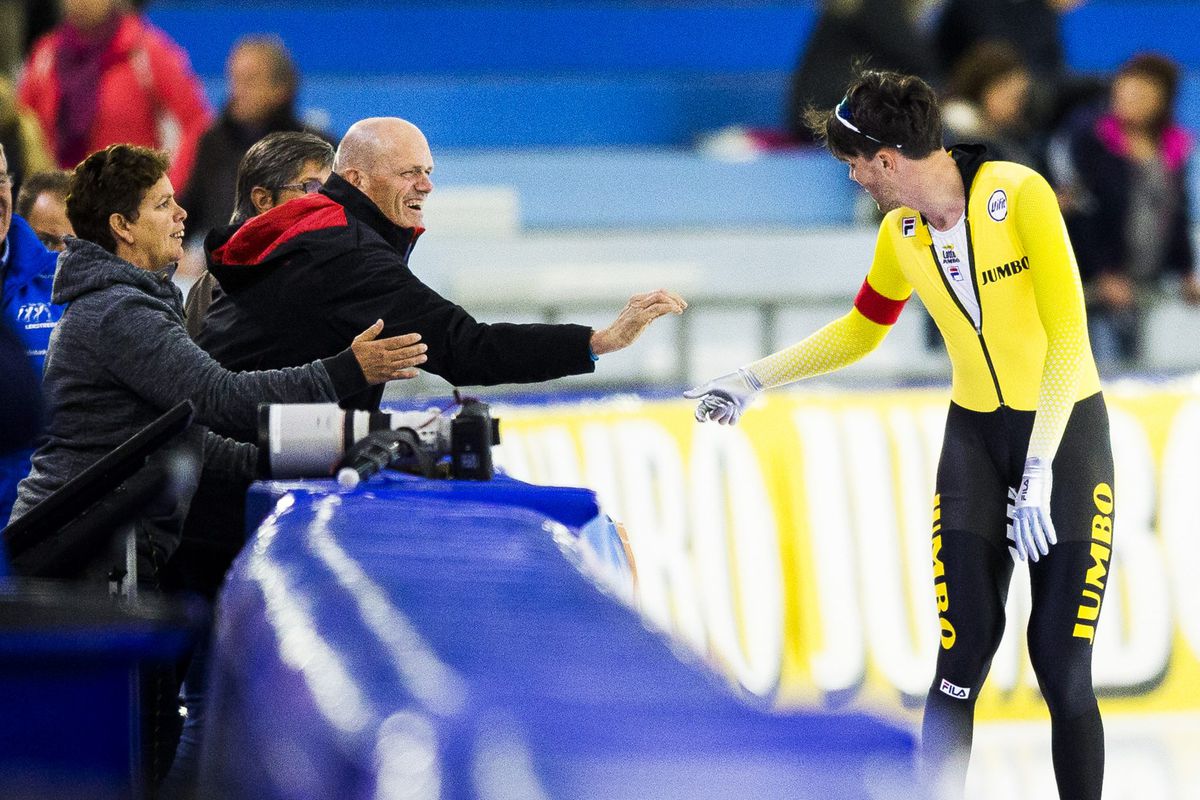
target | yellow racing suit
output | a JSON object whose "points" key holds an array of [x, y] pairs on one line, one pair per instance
{"points": [[1024, 383], [1030, 352]]}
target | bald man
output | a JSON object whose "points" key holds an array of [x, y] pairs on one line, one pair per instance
{"points": [[294, 279]]}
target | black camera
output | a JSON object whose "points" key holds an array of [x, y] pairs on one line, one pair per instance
{"points": [[320, 440]]}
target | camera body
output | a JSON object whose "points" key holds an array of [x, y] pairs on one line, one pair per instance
{"points": [[307, 440]]}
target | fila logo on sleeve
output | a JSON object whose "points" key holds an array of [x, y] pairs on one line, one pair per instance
{"points": [[908, 227], [957, 692]]}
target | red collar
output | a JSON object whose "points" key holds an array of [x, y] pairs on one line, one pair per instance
{"points": [[260, 236]]}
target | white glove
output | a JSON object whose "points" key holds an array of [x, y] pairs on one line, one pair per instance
{"points": [[723, 399], [1033, 531]]}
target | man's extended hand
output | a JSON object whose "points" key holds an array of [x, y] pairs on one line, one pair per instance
{"points": [[383, 360], [723, 399], [640, 311], [1033, 531]]}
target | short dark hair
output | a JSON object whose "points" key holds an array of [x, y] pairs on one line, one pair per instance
{"points": [[112, 181], [889, 109], [273, 161], [1161, 70], [56, 182]]}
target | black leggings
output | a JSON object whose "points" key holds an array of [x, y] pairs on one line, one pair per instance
{"points": [[982, 459]]}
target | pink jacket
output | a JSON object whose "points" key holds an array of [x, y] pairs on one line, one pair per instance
{"points": [[149, 95]]}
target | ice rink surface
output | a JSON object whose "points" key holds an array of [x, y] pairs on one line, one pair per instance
{"points": [[1151, 757]]}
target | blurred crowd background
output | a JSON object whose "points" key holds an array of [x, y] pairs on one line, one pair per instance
{"points": [[587, 148]]}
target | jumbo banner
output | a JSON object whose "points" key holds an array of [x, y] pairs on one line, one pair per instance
{"points": [[794, 548]]}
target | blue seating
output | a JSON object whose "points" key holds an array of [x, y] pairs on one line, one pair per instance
{"points": [[646, 110], [532, 74], [528, 75], [487, 39]]}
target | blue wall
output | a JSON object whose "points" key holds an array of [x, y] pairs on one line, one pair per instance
{"points": [[541, 74], [510, 37], [552, 75], [1100, 35]]}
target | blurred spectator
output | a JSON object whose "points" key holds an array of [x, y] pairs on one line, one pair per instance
{"points": [[42, 202], [1122, 178], [22, 137], [1034, 29], [986, 102], [106, 75], [885, 34], [26, 275], [262, 86]]}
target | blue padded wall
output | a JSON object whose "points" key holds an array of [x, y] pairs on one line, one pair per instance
{"points": [[358, 38], [542, 74], [552, 111]]}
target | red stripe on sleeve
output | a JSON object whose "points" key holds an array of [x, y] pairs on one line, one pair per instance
{"points": [[877, 308]]}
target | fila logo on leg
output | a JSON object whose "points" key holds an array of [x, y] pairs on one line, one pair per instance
{"points": [[957, 692]]}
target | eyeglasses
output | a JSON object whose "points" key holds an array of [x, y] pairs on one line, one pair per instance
{"points": [[310, 186], [843, 115]]}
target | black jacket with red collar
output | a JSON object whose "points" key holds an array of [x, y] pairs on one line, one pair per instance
{"points": [[300, 281]]}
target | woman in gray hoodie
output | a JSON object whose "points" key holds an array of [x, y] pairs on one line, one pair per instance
{"points": [[121, 356]]}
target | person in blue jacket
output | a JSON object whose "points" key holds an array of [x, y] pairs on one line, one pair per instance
{"points": [[26, 274]]}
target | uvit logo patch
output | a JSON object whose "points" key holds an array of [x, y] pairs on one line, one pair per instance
{"points": [[998, 205], [957, 692]]}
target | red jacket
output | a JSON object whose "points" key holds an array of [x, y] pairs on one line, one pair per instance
{"points": [[148, 97]]}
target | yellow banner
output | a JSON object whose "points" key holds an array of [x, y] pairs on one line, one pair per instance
{"points": [[794, 548]]}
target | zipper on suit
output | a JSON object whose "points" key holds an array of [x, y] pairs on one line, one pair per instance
{"points": [[937, 263]]}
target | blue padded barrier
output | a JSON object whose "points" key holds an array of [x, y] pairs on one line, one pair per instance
{"points": [[389, 634], [568, 505]]}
